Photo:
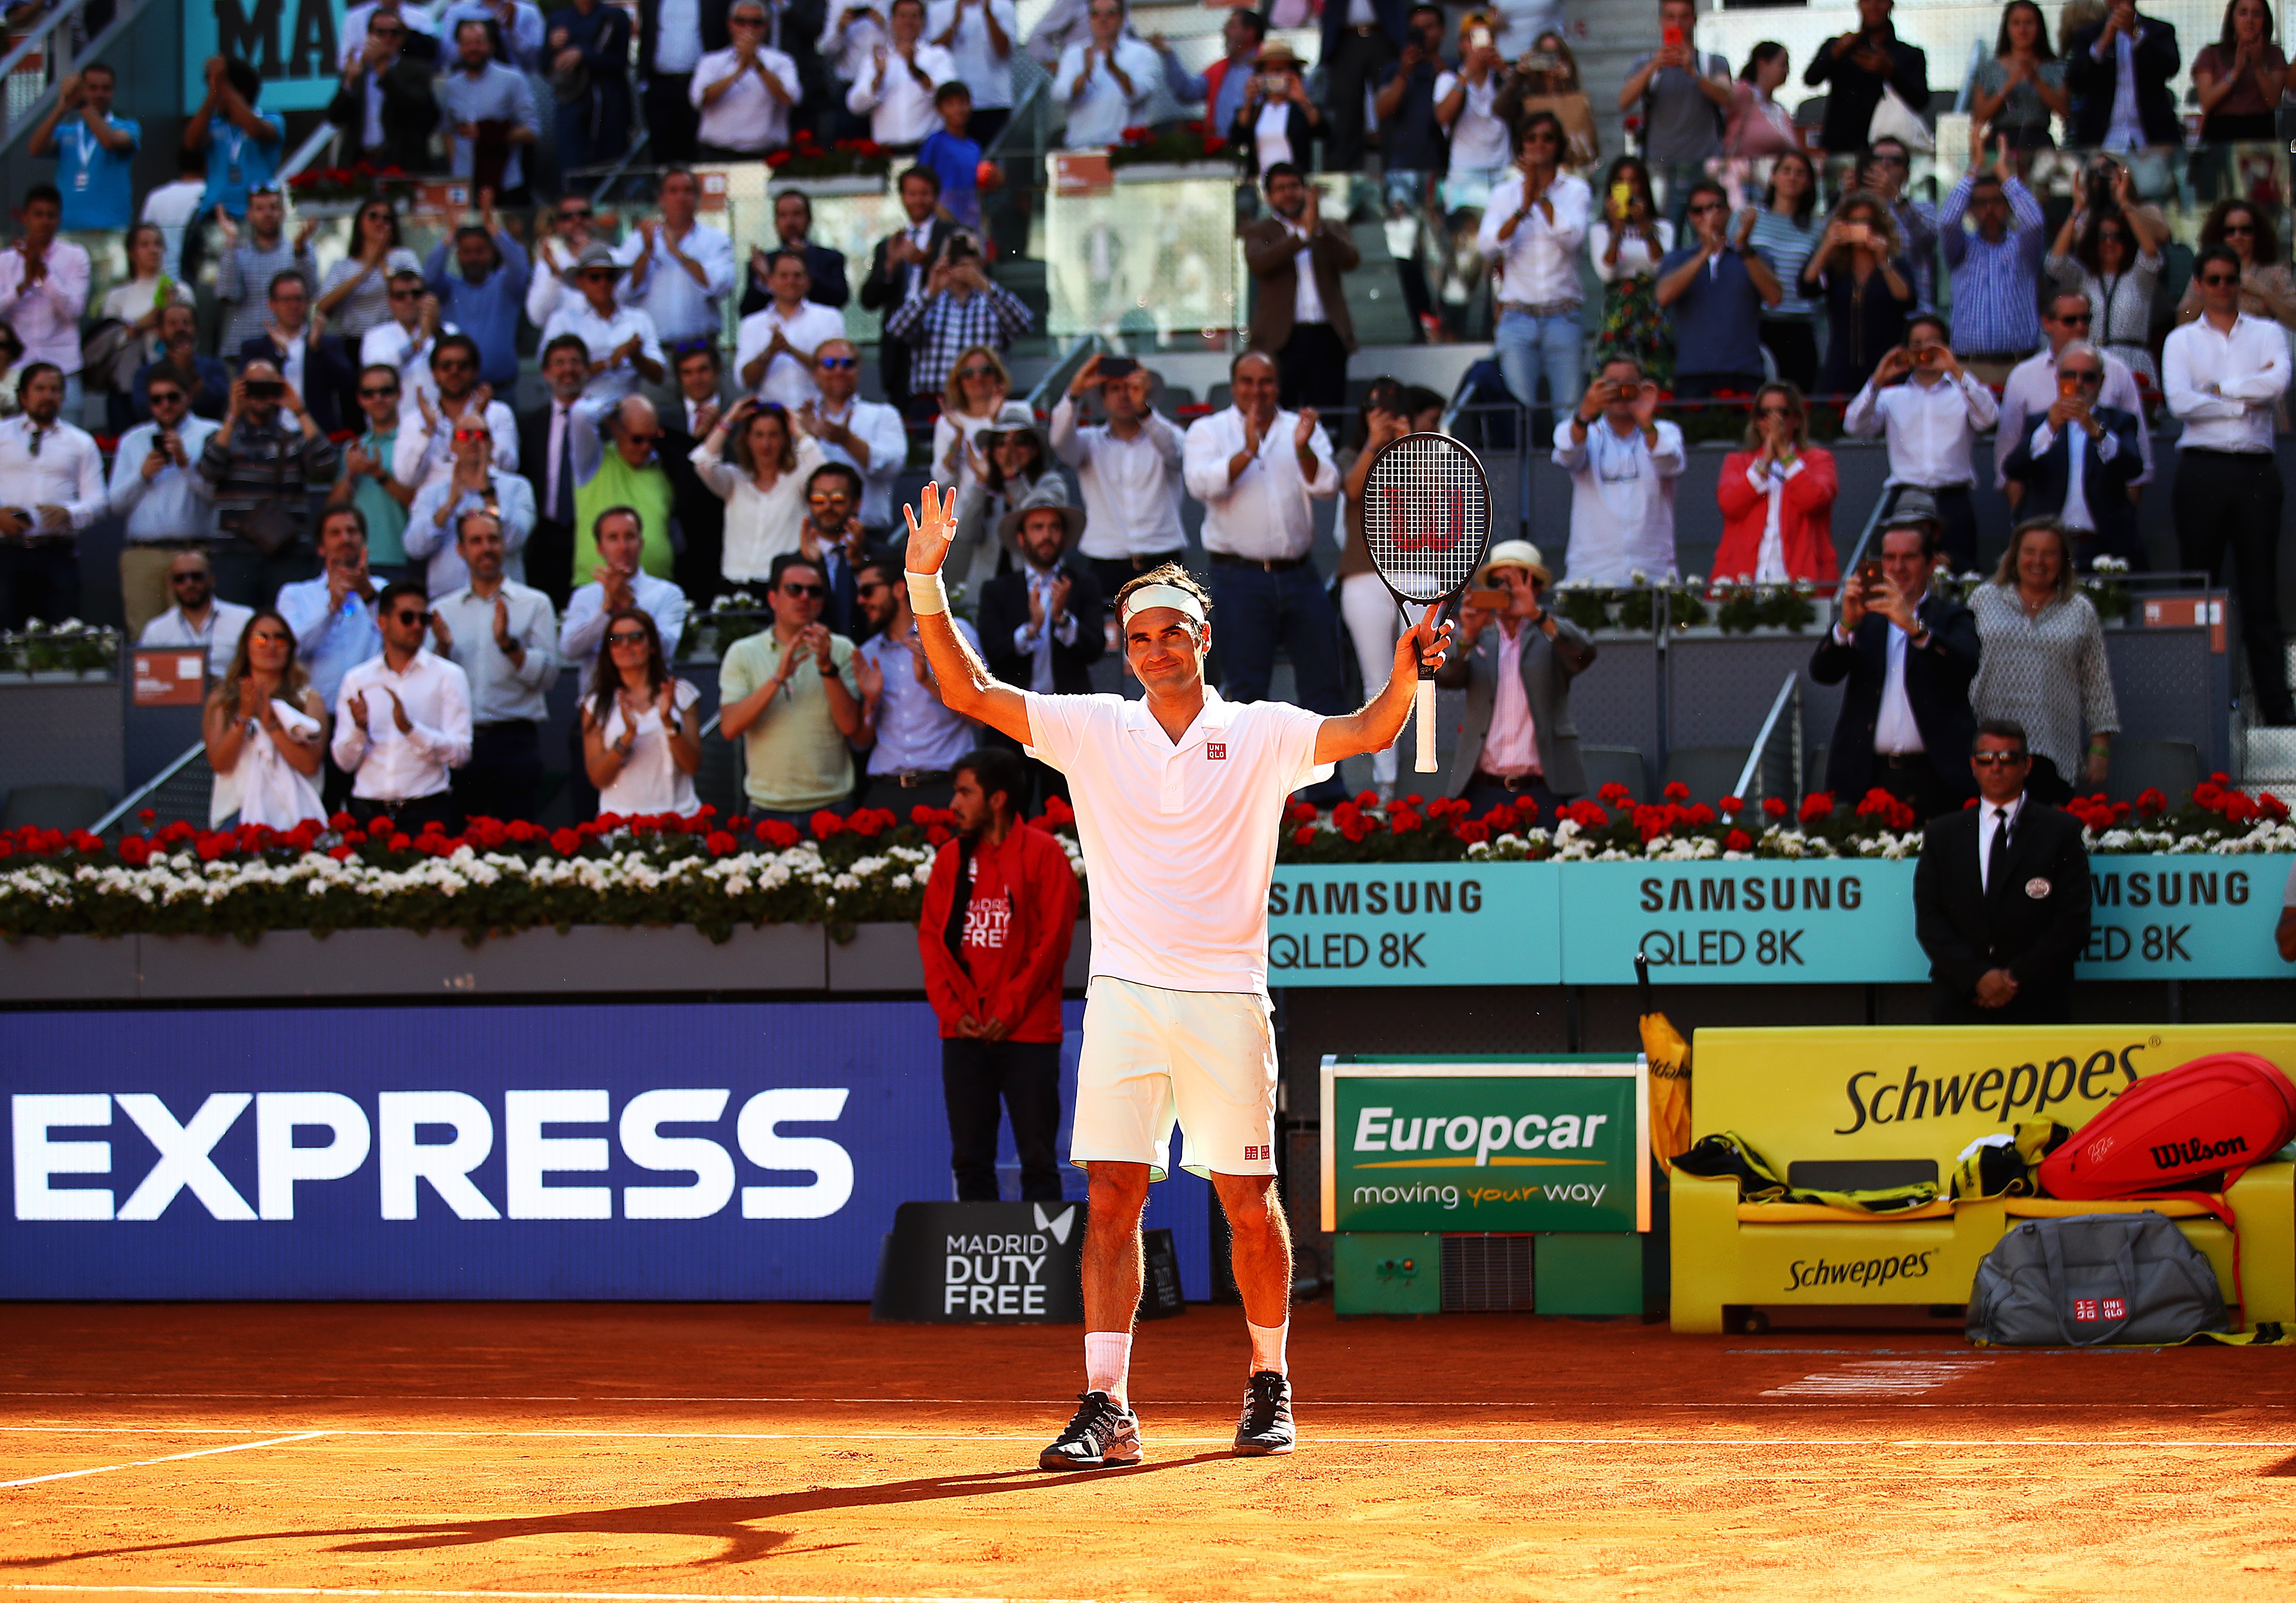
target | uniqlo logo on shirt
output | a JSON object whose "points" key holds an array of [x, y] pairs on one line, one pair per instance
{"points": [[1215, 752], [986, 922], [1252, 1155], [2085, 1310], [2115, 1308]]}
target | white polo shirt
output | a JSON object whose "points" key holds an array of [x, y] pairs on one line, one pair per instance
{"points": [[1179, 837]]}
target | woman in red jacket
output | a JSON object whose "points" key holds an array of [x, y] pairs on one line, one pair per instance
{"points": [[1000, 911], [1777, 499]]}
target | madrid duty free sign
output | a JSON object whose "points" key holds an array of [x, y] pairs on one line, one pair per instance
{"points": [[1773, 921]]}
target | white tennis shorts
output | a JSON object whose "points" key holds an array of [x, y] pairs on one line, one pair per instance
{"points": [[1206, 1058]]}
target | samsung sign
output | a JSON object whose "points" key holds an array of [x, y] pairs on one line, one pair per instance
{"points": [[705, 1151]]}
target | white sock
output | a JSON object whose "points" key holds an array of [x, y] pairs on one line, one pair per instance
{"points": [[1108, 1363], [1266, 1346]]}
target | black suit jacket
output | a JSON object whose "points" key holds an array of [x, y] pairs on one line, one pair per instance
{"points": [[2104, 485], [327, 373], [886, 287], [1968, 927], [409, 112], [1005, 609], [1854, 92], [1936, 685], [700, 565], [829, 286], [2094, 82], [550, 548]]}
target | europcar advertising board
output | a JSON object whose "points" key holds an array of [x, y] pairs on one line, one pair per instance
{"points": [[1413, 924], [1440, 1145], [711, 1151]]}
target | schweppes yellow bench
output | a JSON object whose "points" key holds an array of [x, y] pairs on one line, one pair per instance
{"points": [[1853, 1108]]}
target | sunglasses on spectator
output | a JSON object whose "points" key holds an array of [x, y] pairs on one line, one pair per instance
{"points": [[165, 397], [838, 364], [380, 393], [573, 214], [462, 435], [2216, 280], [2078, 319], [417, 619], [2081, 376], [976, 371], [809, 591], [600, 274], [626, 637], [2232, 228], [636, 438], [1997, 759], [189, 578], [454, 361], [414, 294]]}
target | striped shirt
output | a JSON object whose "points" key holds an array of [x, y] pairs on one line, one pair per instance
{"points": [[1996, 284], [1786, 244]]}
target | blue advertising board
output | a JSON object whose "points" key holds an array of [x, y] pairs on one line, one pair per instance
{"points": [[1773, 922], [687, 1153], [1414, 924], [296, 45]]}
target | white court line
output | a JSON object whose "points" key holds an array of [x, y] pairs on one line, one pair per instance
{"points": [[419, 1591], [1646, 1404], [1690, 1443], [200, 1452]]}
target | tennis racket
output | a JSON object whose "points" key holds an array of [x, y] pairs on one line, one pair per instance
{"points": [[1426, 521]]}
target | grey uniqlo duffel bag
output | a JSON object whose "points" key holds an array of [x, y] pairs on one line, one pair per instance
{"points": [[2093, 1280]]}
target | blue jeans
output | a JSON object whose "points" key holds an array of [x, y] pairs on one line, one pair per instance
{"points": [[1252, 609], [1555, 346]]}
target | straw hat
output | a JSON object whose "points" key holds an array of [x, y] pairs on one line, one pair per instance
{"points": [[1516, 553]]}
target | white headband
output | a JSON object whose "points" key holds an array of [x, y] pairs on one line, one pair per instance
{"points": [[1164, 596]]}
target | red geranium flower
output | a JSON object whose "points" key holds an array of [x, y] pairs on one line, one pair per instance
{"points": [[1738, 840], [565, 842]]}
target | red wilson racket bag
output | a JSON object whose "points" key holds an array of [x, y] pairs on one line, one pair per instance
{"points": [[2218, 1115]]}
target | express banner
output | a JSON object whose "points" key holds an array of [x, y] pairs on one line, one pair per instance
{"points": [[1487, 1147], [715, 1151]]}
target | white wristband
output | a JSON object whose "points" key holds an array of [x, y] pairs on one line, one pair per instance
{"points": [[925, 593]]}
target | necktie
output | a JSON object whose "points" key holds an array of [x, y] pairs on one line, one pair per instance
{"points": [[1996, 860], [561, 470]]}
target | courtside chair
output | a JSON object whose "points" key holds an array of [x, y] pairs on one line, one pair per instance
{"points": [[1615, 765], [2172, 767], [1711, 772], [55, 806]]}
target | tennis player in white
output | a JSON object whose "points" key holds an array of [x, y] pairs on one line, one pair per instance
{"points": [[1179, 797]]}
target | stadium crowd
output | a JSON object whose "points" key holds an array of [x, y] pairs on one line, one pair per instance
{"points": [[325, 483]]}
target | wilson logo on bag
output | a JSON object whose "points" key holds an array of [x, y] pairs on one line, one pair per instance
{"points": [[2218, 1115]]}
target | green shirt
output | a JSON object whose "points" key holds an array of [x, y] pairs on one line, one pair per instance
{"points": [[386, 519], [616, 483], [797, 760]]}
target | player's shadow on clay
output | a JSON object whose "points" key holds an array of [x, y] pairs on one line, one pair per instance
{"points": [[731, 1519]]}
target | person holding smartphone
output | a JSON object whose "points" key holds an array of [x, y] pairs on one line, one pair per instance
{"points": [[1684, 99], [1515, 659], [1930, 420], [260, 468]]}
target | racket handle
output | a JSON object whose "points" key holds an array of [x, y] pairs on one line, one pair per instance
{"points": [[1423, 713]]}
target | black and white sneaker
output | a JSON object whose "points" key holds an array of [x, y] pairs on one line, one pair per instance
{"points": [[1266, 1428], [1104, 1434]]}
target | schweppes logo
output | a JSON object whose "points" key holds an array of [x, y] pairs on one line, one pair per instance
{"points": [[1806, 1273], [1883, 1097]]}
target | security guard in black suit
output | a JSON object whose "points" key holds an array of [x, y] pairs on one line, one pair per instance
{"points": [[2001, 897]]}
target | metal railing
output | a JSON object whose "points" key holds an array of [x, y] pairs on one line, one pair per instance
{"points": [[1774, 767], [22, 118], [181, 790]]}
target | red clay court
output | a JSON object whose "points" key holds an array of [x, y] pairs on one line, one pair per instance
{"points": [[779, 1451]]}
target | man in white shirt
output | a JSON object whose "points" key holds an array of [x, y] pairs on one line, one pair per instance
{"points": [[1104, 80], [404, 343], [867, 436], [675, 270], [503, 636], [424, 452], [2031, 389], [1179, 798], [1623, 460], [1129, 469], [744, 93], [1932, 423], [979, 35], [51, 489], [168, 508], [197, 619], [1254, 467], [773, 352], [475, 482], [1907, 656], [173, 207], [624, 345], [1532, 232], [2222, 375], [896, 87], [403, 722], [44, 289]]}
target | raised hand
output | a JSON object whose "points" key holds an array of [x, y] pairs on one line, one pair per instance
{"points": [[398, 712], [503, 639], [932, 529], [1422, 645], [357, 707], [1304, 430]]}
